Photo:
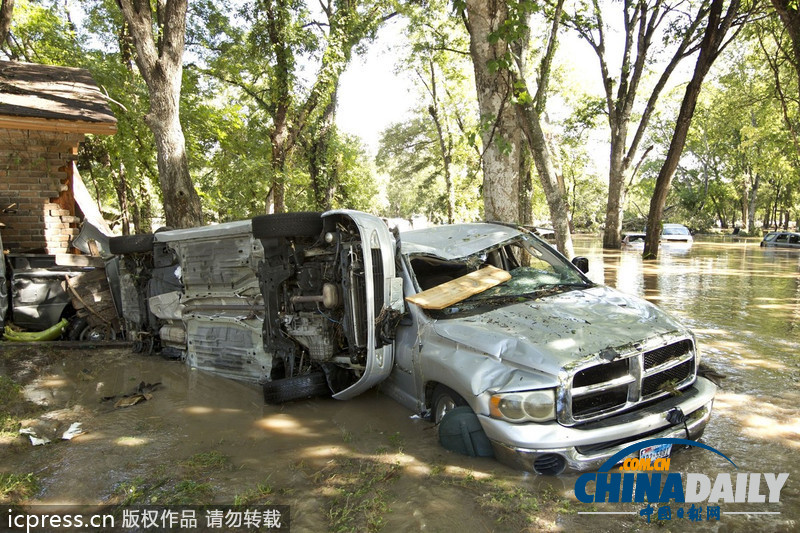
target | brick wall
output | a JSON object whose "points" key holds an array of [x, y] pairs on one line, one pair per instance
{"points": [[36, 174]]}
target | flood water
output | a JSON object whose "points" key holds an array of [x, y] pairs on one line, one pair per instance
{"points": [[742, 301]]}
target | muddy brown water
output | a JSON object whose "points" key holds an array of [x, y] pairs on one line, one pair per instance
{"points": [[742, 301]]}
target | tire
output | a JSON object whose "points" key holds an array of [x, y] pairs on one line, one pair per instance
{"points": [[461, 432], [444, 399], [131, 244], [296, 388], [287, 225], [98, 333], [75, 328]]}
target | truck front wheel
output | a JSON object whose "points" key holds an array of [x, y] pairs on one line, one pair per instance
{"points": [[296, 388]]}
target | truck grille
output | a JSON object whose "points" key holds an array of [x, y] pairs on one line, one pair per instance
{"points": [[600, 389], [377, 279]]}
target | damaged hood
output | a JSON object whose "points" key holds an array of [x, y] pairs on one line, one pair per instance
{"points": [[549, 333]]}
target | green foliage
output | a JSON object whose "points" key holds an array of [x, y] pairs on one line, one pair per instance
{"points": [[10, 401], [411, 152], [17, 488], [739, 150], [246, 69], [40, 34]]}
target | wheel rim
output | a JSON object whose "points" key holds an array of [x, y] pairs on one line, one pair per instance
{"points": [[98, 334], [444, 405]]}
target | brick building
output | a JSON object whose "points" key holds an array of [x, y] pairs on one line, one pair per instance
{"points": [[45, 112]]}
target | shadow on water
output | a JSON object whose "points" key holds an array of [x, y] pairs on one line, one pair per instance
{"points": [[367, 459]]}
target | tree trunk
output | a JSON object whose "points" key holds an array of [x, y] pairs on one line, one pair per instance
{"points": [[6, 12], [617, 177], [160, 61], [790, 17], [715, 32], [745, 208], [322, 170], [641, 21], [525, 190], [751, 213], [555, 195], [142, 222], [445, 145], [121, 186], [501, 139]]}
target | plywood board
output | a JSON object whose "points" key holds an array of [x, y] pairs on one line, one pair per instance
{"points": [[459, 289]]}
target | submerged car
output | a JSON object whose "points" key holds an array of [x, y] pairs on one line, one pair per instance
{"points": [[781, 239], [676, 233], [507, 346], [676, 237]]}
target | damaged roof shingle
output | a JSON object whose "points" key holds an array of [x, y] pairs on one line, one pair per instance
{"points": [[48, 97]]}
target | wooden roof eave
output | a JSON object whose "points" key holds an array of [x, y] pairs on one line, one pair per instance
{"points": [[57, 125]]}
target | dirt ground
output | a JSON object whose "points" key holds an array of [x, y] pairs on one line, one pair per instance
{"points": [[359, 465]]}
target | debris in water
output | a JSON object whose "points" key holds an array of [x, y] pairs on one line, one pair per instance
{"points": [[128, 401], [138, 395], [73, 431], [35, 440]]}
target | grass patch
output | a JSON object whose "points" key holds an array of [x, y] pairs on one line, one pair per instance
{"points": [[258, 495], [11, 403], [212, 460], [358, 490], [163, 491], [16, 488], [506, 503], [162, 487]]}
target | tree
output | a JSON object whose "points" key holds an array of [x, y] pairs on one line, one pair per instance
{"points": [[264, 61], [6, 12], [788, 12], [442, 131], [499, 42], [642, 22], [712, 44], [159, 57], [500, 133], [529, 114]]}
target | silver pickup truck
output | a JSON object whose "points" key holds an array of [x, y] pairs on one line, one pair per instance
{"points": [[547, 371]]}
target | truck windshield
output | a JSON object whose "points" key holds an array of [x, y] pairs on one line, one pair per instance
{"points": [[535, 272]]}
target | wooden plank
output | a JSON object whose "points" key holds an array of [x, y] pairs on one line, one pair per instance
{"points": [[459, 289], [58, 126], [79, 260]]}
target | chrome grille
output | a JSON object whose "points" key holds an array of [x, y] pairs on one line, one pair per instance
{"points": [[601, 388], [660, 356]]}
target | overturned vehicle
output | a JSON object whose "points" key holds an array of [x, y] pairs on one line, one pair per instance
{"points": [[507, 346]]}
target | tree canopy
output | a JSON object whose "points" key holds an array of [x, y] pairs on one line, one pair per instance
{"points": [[538, 113]]}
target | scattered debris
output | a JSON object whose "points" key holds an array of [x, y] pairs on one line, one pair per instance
{"points": [[128, 401], [140, 394], [73, 431], [14, 334], [35, 439]]}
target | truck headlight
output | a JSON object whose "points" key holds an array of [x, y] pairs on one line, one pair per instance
{"points": [[531, 406]]}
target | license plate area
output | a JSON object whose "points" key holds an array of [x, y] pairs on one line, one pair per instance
{"points": [[657, 451]]}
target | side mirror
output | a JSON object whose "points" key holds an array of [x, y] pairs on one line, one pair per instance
{"points": [[582, 263]]}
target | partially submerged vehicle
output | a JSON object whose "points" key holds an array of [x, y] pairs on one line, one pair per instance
{"points": [[484, 328], [674, 237], [781, 239], [676, 233]]}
